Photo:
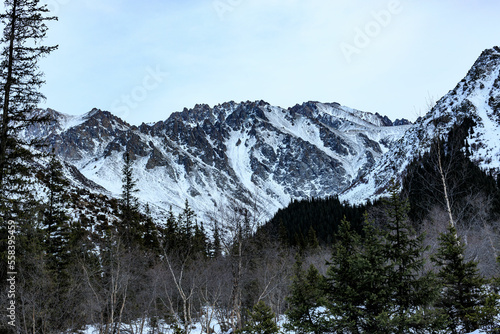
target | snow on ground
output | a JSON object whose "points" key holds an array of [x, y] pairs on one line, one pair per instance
{"points": [[197, 328]]}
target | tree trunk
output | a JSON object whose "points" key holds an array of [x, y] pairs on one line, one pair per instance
{"points": [[6, 99]]}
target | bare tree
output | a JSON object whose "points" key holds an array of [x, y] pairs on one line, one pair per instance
{"points": [[109, 286], [180, 275], [273, 275], [236, 225], [214, 282]]}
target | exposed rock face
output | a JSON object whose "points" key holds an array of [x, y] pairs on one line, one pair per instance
{"points": [[250, 152]]}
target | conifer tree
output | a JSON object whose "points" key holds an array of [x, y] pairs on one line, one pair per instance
{"points": [[170, 239], [312, 239], [262, 320], [304, 300], [413, 291], [56, 222], [151, 233], [20, 79], [464, 298], [186, 223], [374, 284], [200, 241], [130, 216], [357, 291], [217, 243], [345, 298]]}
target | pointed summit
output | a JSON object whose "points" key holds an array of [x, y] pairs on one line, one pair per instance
{"points": [[475, 99]]}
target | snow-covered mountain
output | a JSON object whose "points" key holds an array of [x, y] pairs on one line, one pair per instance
{"points": [[262, 156], [251, 153], [476, 97]]}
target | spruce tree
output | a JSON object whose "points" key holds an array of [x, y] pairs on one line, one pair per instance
{"points": [[262, 320], [24, 29], [357, 291], [130, 216], [345, 298], [376, 283], [312, 239], [64, 250], [305, 300], [171, 236], [463, 298], [216, 250], [373, 284], [151, 233], [20, 80], [186, 221], [200, 241], [56, 222], [413, 291]]}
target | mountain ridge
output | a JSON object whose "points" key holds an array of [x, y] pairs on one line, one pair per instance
{"points": [[476, 96], [250, 153], [258, 156]]}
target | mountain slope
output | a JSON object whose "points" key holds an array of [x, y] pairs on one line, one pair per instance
{"points": [[476, 97], [250, 153]]}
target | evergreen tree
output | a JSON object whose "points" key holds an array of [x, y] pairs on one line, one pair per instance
{"points": [[200, 241], [374, 285], [137, 229], [151, 233], [186, 223], [129, 201], [464, 298], [20, 80], [262, 320], [130, 216], [412, 290], [24, 29], [56, 222], [63, 252], [217, 243], [345, 298], [357, 290], [312, 239], [170, 239], [304, 300]]}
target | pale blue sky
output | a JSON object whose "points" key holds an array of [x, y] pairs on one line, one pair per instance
{"points": [[143, 60]]}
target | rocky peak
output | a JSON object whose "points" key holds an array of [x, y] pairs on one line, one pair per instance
{"points": [[103, 118], [308, 109], [476, 98], [402, 121], [198, 114], [229, 152], [488, 61], [246, 114], [385, 120]]}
